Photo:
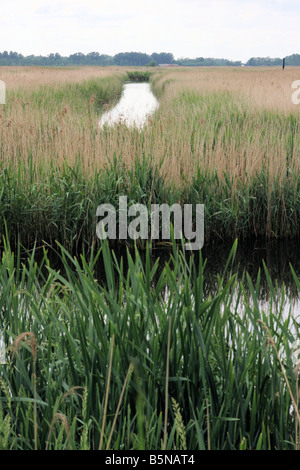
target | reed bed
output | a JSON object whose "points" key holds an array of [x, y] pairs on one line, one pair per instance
{"points": [[118, 361], [226, 138], [107, 351]]}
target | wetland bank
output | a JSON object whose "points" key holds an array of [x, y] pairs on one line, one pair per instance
{"points": [[128, 352]]}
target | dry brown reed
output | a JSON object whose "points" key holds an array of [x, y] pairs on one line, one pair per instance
{"points": [[222, 126]]}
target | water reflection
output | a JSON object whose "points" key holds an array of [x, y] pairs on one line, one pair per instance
{"points": [[136, 105], [278, 257]]}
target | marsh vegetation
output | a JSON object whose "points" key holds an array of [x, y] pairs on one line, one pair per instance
{"points": [[110, 348]]}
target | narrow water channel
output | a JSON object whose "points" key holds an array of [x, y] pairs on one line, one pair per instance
{"points": [[136, 105]]}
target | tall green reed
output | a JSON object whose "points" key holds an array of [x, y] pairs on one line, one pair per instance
{"points": [[229, 388]]}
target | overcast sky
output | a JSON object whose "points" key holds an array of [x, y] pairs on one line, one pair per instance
{"points": [[232, 29]]}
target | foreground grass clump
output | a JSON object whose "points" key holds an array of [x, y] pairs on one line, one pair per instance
{"points": [[139, 76], [133, 357]]}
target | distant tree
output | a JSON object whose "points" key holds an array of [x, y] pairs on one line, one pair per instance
{"points": [[77, 59], [293, 60], [53, 59], [163, 57], [93, 57], [131, 58], [208, 62], [13, 58], [263, 62]]}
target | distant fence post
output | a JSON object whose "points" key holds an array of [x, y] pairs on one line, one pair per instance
{"points": [[283, 64]]}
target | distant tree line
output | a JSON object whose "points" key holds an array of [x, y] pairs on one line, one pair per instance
{"points": [[134, 59], [93, 58], [200, 61]]}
